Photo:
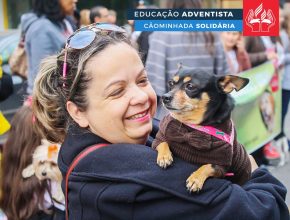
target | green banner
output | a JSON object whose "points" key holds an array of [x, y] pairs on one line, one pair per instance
{"points": [[257, 114]]}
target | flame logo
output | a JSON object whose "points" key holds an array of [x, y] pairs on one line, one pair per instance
{"points": [[258, 9], [269, 14], [259, 19], [263, 15]]}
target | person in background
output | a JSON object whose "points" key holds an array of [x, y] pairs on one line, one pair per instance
{"points": [[135, 34], [75, 21], [46, 29], [261, 49], [237, 56], [203, 50], [106, 97], [112, 18], [24, 199], [6, 85], [143, 39], [143, 44], [99, 14], [84, 17], [284, 35], [141, 5]]}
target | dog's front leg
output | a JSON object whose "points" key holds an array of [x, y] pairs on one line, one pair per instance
{"points": [[164, 158], [195, 181]]}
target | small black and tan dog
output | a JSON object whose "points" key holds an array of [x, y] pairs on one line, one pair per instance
{"points": [[199, 128]]}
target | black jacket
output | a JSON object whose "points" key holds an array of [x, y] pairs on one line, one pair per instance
{"points": [[123, 181]]}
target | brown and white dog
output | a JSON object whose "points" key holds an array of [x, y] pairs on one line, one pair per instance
{"points": [[44, 167]]}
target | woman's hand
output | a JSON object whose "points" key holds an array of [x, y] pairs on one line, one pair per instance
{"points": [[253, 163]]}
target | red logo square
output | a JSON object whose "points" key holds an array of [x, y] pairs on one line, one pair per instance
{"points": [[261, 17]]}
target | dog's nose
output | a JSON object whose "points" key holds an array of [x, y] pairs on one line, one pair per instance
{"points": [[166, 98], [43, 173]]}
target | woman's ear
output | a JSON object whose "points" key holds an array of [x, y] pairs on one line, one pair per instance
{"points": [[78, 116], [230, 82]]}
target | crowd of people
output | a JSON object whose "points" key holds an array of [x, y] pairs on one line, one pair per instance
{"points": [[101, 87]]}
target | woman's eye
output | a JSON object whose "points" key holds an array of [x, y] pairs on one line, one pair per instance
{"points": [[53, 164], [116, 92], [143, 81], [190, 86]]}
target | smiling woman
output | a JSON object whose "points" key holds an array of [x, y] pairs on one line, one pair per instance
{"points": [[114, 101], [119, 95], [96, 93]]}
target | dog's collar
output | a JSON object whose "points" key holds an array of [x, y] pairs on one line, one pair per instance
{"points": [[215, 132]]}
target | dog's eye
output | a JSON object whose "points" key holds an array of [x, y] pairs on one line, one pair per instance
{"points": [[41, 162], [53, 164], [171, 83], [190, 86]]}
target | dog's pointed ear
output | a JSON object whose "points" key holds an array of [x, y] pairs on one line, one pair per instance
{"points": [[28, 171], [230, 82]]}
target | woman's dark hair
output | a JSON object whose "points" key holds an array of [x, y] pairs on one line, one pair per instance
{"points": [[52, 91], [21, 198], [49, 8]]}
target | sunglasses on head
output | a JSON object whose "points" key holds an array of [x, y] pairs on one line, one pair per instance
{"points": [[85, 36]]}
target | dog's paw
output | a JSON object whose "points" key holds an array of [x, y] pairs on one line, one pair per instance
{"points": [[164, 160], [194, 182]]}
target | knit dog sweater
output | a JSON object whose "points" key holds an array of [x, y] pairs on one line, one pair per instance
{"points": [[200, 148]]}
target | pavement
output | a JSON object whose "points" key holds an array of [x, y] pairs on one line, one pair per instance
{"points": [[283, 172]]}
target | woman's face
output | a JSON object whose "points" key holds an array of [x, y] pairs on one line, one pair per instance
{"points": [[121, 101], [68, 6], [230, 39]]}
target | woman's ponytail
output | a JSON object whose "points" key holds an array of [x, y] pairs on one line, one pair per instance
{"points": [[49, 102]]}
